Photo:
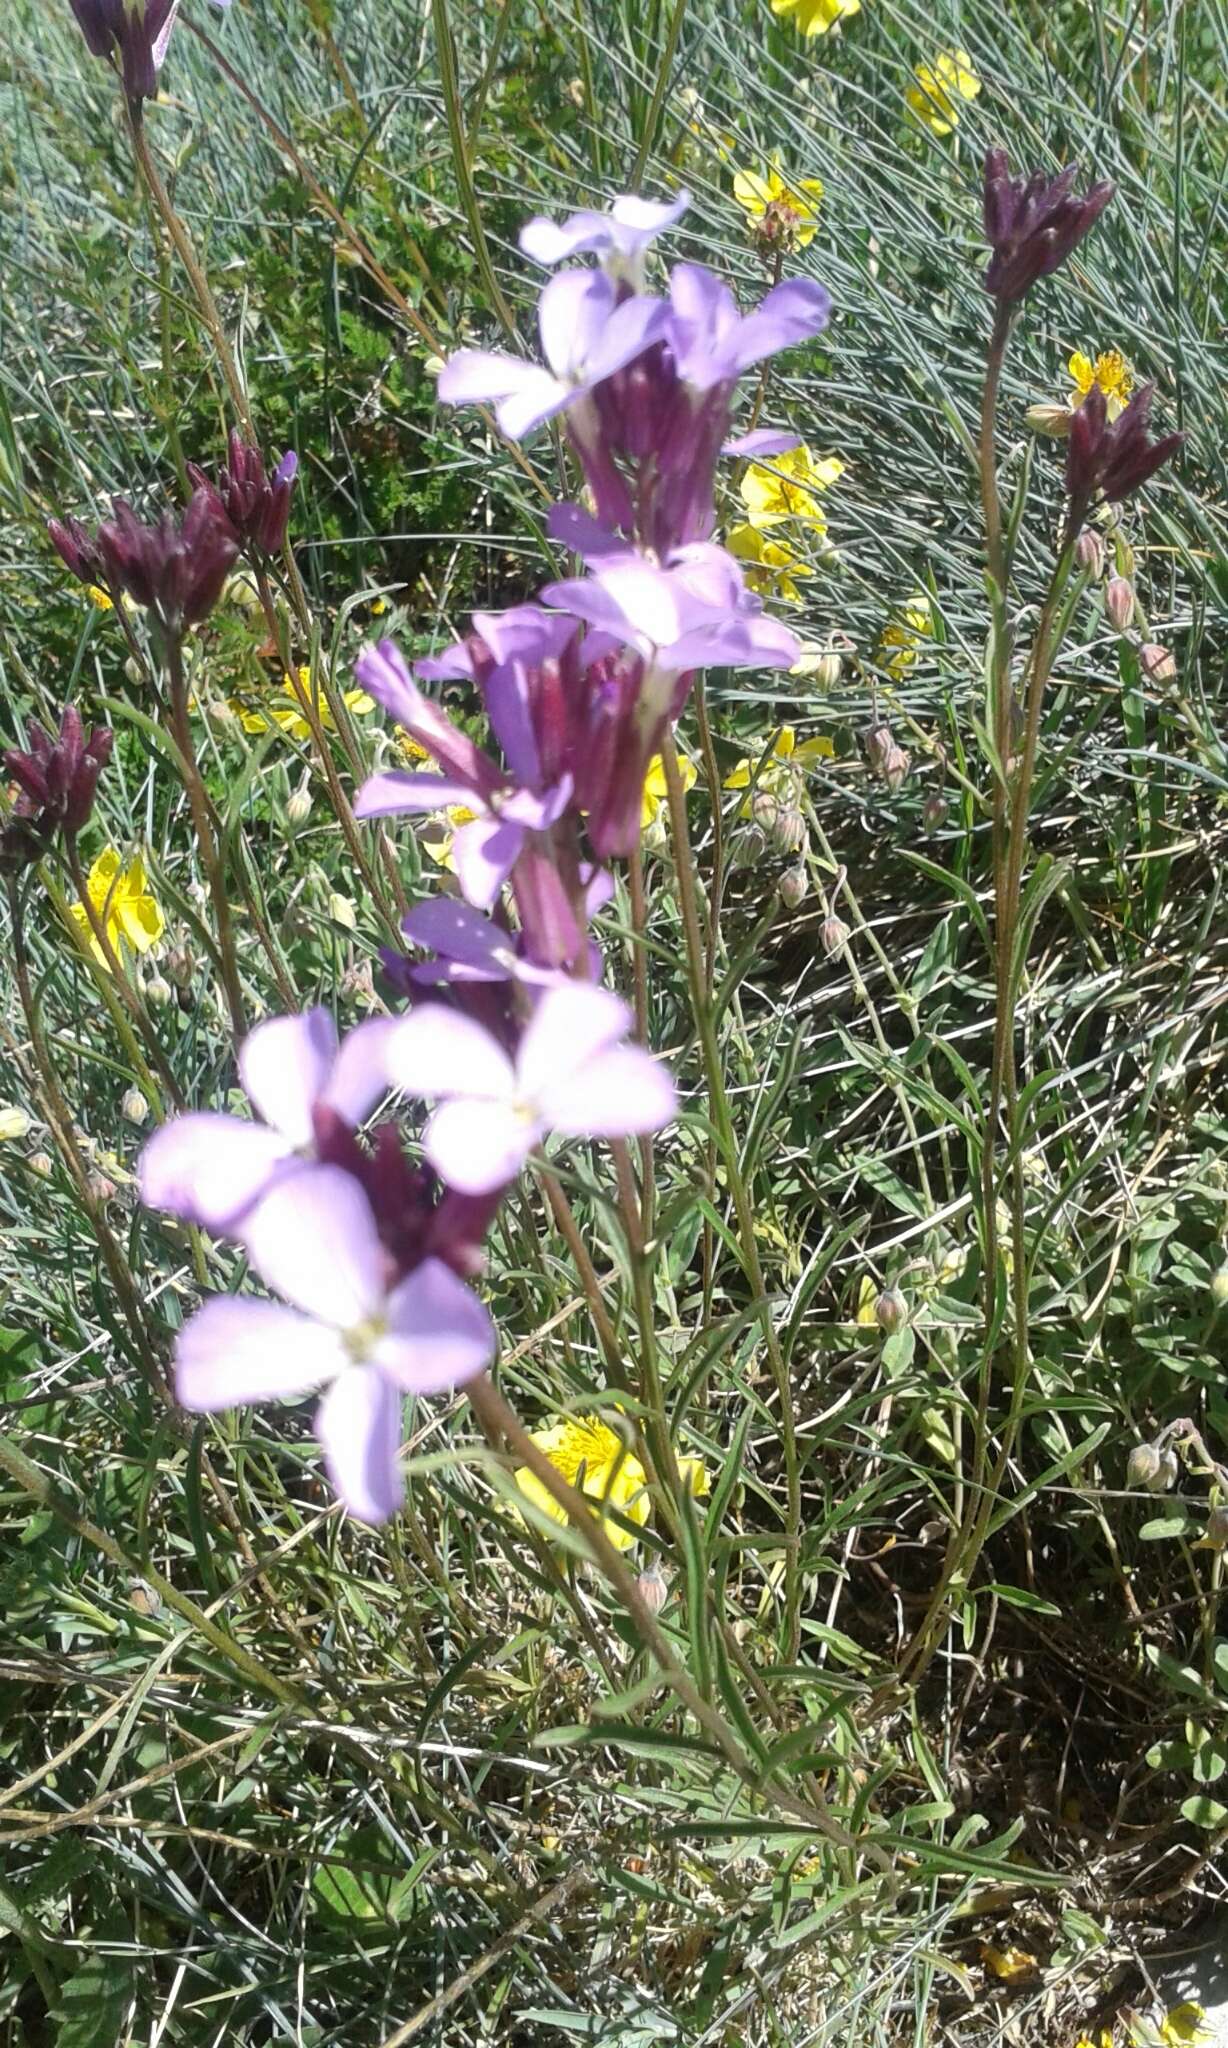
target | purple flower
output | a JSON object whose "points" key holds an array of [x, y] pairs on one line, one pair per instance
{"points": [[712, 343], [257, 506], [470, 948], [211, 1169], [139, 30], [1112, 458], [620, 238], [572, 1074], [1033, 224], [588, 331], [693, 613], [174, 569], [351, 1327], [763, 441]]}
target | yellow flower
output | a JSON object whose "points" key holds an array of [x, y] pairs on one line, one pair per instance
{"points": [[439, 836], [786, 487], [655, 791], [291, 718], [408, 745], [774, 569], [1183, 2026], [935, 97], [123, 901], [786, 755], [99, 598], [898, 642], [1106, 2040], [593, 1457], [782, 209], [815, 17], [1109, 371]]}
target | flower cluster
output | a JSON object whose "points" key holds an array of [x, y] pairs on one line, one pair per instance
{"points": [[781, 496], [1032, 224], [56, 780], [509, 1037]]}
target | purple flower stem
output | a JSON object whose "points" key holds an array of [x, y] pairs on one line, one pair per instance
{"points": [[639, 984], [743, 1208]]}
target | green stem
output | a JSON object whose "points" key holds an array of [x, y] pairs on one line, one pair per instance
{"points": [[743, 1209], [445, 49], [181, 725], [653, 118]]}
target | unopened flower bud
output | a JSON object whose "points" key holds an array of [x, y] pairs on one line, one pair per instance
{"points": [[1219, 1286], [1119, 602], [158, 991], [134, 1106], [42, 1164], [101, 1189], [1089, 552], [793, 886], [828, 670], [934, 812], [1156, 661], [1143, 1466], [878, 743], [833, 934], [1053, 420], [764, 809], [298, 808], [221, 713], [896, 764], [1216, 1532], [1169, 1471], [14, 1123], [891, 1310], [652, 1588]]}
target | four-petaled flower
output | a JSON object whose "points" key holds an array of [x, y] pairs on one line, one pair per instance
{"points": [[211, 1169], [351, 1326], [1110, 371], [572, 1074], [940, 86], [784, 211], [290, 716], [816, 17], [620, 238], [598, 1462], [123, 903]]}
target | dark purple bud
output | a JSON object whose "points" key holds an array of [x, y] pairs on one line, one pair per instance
{"points": [[1032, 225], [56, 781], [175, 569], [79, 553], [257, 506], [135, 31], [1112, 458]]}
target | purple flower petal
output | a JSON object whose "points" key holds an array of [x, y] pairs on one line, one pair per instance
{"points": [[313, 1239], [569, 1027], [360, 1073], [620, 1092], [485, 853], [459, 933], [631, 224], [580, 532], [358, 1425], [763, 441], [232, 1352], [209, 1169], [478, 1146], [439, 1333], [791, 312], [437, 1051], [284, 1065], [399, 790]]}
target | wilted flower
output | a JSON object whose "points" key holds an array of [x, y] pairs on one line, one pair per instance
{"points": [[352, 1326], [123, 903], [816, 17], [1033, 224], [572, 1074], [1111, 459], [56, 781], [1109, 371], [784, 211], [257, 506], [787, 488], [1143, 1466], [935, 97]]}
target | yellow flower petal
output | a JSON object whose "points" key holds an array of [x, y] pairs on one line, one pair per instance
{"points": [[656, 788], [786, 487], [590, 1455], [789, 204], [1183, 2026], [121, 897], [816, 17], [933, 97]]}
